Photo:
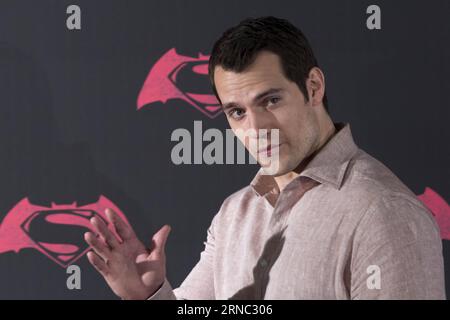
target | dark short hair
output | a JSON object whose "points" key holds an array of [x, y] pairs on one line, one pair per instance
{"points": [[238, 46]]}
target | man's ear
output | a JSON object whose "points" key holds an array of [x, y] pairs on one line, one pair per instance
{"points": [[315, 84]]}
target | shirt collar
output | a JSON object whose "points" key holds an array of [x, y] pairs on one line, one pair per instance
{"points": [[328, 165]]}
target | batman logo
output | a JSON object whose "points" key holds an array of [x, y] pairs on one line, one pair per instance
{"points": [[176, 76], [57, 232]]}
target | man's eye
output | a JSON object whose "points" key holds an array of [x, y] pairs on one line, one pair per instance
{"points": [[273, 100], [236, 113]]}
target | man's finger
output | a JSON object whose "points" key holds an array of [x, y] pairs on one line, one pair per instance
{"points": [[103, 230], [99, 247], [124, 231], [98, 263], [160, 238]]}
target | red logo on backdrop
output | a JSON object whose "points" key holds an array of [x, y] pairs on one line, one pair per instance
{"points": [[56, 231], [440, 209], [171, 78]]}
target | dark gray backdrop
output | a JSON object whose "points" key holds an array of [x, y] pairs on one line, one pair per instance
{"points": [[70, 130]]}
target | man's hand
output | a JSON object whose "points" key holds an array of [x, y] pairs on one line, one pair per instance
{"points": [[132, 271]]}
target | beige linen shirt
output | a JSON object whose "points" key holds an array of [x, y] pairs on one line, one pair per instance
{"points": [[345, 228]]}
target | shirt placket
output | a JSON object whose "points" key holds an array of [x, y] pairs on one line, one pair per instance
{"points": [[275, 230]]}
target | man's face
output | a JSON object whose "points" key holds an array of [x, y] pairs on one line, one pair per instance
{"points": [[261, 97]]}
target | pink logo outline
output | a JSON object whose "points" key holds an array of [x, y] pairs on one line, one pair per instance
{"points": [[161, 84], [14, 228]]}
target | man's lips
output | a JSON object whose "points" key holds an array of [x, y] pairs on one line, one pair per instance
{"points": [[269, 149]]}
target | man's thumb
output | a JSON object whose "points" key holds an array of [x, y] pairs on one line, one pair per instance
{"points": [[160, 238]]}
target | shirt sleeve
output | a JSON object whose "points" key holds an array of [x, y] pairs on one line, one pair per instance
{"points": [[165, 292], [397, 252], [199, 284]]}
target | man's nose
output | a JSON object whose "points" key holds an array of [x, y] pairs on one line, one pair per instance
{"points": [[259, 120]]}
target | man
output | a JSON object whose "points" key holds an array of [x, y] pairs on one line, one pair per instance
{"points": [[331, 223]]}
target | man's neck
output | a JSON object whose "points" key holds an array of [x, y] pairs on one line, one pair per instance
{"points": [[284, 180]]}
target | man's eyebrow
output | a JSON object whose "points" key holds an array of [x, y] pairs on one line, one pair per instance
{"points": [[229, 105], [266, 93], [258, 97]]}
